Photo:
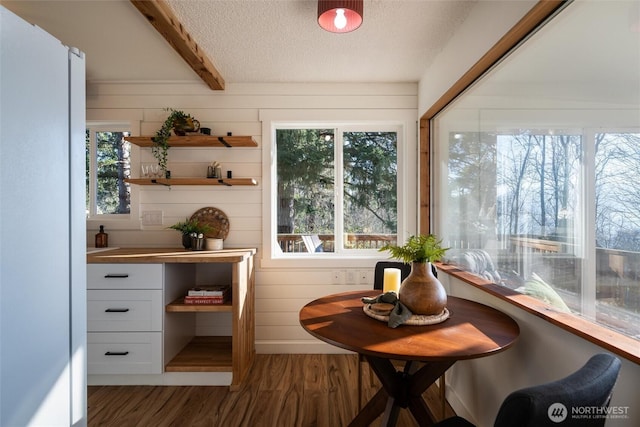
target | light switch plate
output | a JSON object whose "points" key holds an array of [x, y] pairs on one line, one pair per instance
{"points": [[150, 218]]}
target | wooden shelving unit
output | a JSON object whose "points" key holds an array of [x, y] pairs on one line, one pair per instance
{"points": [[197, 140], [190, 141], [204, 354], [178, 306], [229, 182]]}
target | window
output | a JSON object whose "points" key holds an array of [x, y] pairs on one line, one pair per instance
{"points": [[335, 203], [108, 165], [535, 165], [336, 189], [555, 214]]}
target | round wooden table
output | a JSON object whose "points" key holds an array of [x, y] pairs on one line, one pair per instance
{"points": [[472, 330]]}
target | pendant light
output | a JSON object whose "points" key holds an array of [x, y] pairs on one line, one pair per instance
{"points": [[340, 16]]}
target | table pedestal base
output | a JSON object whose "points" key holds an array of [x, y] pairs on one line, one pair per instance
{"points": [[400, 389]]}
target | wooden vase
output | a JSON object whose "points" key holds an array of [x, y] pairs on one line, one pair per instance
{"points": [[421, 292]]}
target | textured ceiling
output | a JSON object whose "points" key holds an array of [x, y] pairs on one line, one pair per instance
{"points": [[253, 41]]}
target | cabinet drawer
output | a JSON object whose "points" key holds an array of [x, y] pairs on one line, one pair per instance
{"points": [[124, 353], [126, 310], [124, 276]]}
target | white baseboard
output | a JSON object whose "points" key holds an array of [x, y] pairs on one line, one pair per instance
{"points": [[457, 405], [167, 378]]}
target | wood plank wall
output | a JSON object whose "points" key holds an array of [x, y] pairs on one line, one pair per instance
{"points": [[280, 293]]}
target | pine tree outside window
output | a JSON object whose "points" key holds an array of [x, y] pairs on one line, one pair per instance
{"points": [[336, 189], [108, 165]]}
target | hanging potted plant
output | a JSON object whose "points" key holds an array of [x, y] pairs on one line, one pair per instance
{"points": [[421, 292], [179, 122]]}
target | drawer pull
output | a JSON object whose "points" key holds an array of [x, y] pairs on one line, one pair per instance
{"points": [[116, 353], [116, 310], [116, 276]]}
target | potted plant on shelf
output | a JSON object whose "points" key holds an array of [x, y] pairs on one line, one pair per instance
{"points": [[421, 292], [188, 227], [179, 122]]}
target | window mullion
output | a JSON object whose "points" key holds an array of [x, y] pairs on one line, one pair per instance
{"points": [[588, 294], [338, 189]]}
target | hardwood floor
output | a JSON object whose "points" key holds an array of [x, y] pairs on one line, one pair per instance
{"points": [[281, 390]]}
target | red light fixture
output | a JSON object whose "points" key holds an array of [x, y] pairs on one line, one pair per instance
{"points": [[340, 16]]}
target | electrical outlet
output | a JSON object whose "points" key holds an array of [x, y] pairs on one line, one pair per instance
{"points": [[337, 277], [364, 277]]}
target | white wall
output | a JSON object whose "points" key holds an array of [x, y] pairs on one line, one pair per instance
{"points": [[280, 292], [544, 352], [484, 26]]}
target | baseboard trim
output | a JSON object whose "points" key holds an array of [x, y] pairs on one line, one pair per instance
{"points": [[457, 405]]}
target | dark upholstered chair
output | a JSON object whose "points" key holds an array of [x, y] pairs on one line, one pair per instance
{"points": [[590, 386]]}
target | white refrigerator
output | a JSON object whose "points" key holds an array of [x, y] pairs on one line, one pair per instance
{"points": [[42, 229]]}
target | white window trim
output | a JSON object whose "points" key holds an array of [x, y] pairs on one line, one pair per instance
{"points": [[131, 221], [405, 120]]}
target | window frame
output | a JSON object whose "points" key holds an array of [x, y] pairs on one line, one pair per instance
{"points": [[613, 341], [130, 221], [93, 168], [402, 121]]}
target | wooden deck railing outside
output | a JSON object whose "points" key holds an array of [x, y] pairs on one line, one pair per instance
{"points": [[293, 242]]}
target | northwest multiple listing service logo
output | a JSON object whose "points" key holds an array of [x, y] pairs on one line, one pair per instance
{"points": [[558, 412]]}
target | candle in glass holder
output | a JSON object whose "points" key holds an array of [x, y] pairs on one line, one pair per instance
{"points": [[391, 281]]}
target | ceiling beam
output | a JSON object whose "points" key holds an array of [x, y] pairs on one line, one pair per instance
{"points": [[161, 16]]}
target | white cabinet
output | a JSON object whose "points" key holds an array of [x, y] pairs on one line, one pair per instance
{"points": [[124, 318], [140, 331]]}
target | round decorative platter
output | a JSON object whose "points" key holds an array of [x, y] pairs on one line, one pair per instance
{"points": [[214, 218], [414, 320]]}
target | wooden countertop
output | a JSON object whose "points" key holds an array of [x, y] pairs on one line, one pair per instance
{"points": [[168, 255]]}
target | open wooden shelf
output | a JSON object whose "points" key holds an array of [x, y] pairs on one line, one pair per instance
{"points": [[229, 182], [197, 140], [203, 354], [178, 306]]}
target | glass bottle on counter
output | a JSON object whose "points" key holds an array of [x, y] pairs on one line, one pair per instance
{"points": [[102, 238]]}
